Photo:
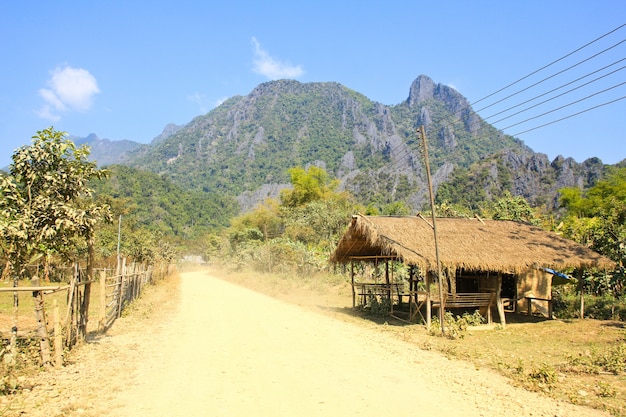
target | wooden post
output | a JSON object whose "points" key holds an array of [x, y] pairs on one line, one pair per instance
{"points": [[84, 307], [434, 227], [581, 289], [58, 337], [499, 302], [42, 332], [352, 279], [69, 327], [120, 300], [16, 303], [103, 301], [429, 307]]}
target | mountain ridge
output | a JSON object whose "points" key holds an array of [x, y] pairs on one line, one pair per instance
{"points": [[244, 147]]}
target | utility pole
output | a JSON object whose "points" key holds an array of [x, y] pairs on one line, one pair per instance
{"points": [[119, 238], [422, 133]]}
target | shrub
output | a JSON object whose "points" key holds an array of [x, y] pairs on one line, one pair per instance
{"points": [[566, 305], [456, 326]]}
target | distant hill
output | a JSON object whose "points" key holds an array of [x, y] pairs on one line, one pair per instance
{"points": [[109, 152], [105, 151]]}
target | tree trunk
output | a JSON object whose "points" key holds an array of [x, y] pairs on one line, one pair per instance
{"points": [[42, 331], [84, 308]]}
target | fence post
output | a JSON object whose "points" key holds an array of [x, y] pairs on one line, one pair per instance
{"points": [[58, 337], [103, 300], [40, 314], [121, 286]]}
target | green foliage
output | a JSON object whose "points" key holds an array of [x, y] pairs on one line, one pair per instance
{"points": [[597, 217], [514, 208], [396, 208], [543, 376], [378, 307], [297, 234], [456, 326], [45, 202], [604, 305], [611, 359], [308, 186], [159, 218]]}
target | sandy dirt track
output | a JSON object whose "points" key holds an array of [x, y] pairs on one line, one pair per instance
{"points": [[228, 351]]}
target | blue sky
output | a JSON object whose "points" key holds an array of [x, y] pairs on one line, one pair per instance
{"points": [[124, 69]]}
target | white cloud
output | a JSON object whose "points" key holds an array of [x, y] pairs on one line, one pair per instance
{"points": [[200, 100], [265, 65], [69, 89]]}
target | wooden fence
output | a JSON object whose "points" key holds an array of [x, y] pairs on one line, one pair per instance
{"points": [[116, 291]]}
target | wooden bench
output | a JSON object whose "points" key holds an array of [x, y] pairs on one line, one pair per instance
{"points": [[468, 300]]}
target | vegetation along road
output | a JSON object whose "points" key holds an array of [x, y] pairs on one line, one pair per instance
{"points": [[218, 349]]}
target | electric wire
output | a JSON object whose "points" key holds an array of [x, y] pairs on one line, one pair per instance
{"points": [[558, 88], [564, 106], [557, 96], [408, 154], [449, 119], [548, 65], [551, 76], [572, 115]]}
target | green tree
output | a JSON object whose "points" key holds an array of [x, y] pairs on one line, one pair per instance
{"points": [[45, 204], [514, 208], [310, 185], [597, 218], [46, 210]]}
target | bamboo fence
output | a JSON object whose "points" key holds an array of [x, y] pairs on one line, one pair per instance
{"points": [[116, 291]]}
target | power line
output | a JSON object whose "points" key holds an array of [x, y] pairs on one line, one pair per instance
{"points": [[571, 115], [448, 120], [557, 96], [553, 75], [566, 105], [548, 65], [559, 87], [408, 154]]}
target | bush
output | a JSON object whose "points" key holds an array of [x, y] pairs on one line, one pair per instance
{"points": [[611, 360], [566, 305], [456, 326]]}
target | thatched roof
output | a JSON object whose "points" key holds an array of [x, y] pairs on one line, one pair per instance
{"points": [[472, 244]]}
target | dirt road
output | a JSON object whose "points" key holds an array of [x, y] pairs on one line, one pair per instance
{"points": [[228, 351]]}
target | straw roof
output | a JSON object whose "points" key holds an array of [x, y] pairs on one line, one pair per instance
{"points": [[472, 244]]}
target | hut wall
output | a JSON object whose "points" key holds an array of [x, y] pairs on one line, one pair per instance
{"points": [[536, 284]]}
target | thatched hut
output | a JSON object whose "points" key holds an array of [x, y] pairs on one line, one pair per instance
{"points": [[480, 257]]}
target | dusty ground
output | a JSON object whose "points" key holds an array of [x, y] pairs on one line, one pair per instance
{"points": [[223, 350]]}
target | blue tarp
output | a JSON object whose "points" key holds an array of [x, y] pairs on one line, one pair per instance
{"points": [[559, 277]]}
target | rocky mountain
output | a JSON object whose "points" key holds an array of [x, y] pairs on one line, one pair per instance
{"points": [[168, 131], [244, 147], [105, 151]]}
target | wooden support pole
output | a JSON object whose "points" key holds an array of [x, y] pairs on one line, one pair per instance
{"points": [[84, 308], [581, 289], [69, 315], [442, 302], [103, 301], [352, 280], [499, 301], [58, 337], [429, 306], [13, 343], [121, 294], [42, 332]]}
